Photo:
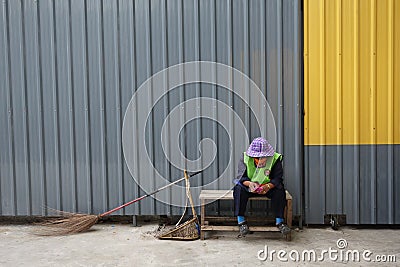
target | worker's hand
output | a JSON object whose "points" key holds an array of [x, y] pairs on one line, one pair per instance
{"points": [[253, 186], [262, 189], [262, 192]]}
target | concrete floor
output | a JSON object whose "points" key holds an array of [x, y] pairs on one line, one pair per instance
{"points": [[124, 245]]}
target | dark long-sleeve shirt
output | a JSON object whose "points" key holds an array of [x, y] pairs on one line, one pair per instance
{"points": [[275, 176]]}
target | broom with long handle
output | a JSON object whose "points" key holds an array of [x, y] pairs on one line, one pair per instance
{"points": [[72, 223]]}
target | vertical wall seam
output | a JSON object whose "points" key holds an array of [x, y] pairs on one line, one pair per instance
{"points": [[390, 71], [322, 55], [88, 146], [230, 62], [117, 70], [134, 84], [339, 69], [150, 94], [103, 108], [322, 105], [136, 138], [306, 71], [390, 100], [373, 110], [215, 91], [74, 199], [280, 67], [55, 118], [266, 57], [198, 89], [214, 42], [182, 94], [297, 102], [167, 105], [339, 95], [357, 109], [262, 55], [306, 93], [28, 176], [11, 141], [120, 164], [40, 115], [4, 26]]}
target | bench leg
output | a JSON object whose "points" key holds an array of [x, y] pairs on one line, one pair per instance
{"points": [[203, 215], [289, 216]]}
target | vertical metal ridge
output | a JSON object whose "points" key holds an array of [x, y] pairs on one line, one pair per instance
{"points": [[72, 141], [198, 85], [87, 120], [249, 66], [265, 48], [339, 69], [149, 58], [136, 138], [42, 163], [339, 103], [11, 143], [322, 72], [230, 33], [25, 127], [322, 151], [390, 47], [297, 77], [121, 169], [149, 74], [166, 104], [356, 110], [281, 95], [263, 55], [214, 91], [279, 42], [119, 179], [230, 101], [214, 43], [103, 132], [120, 162], [136, 104], [5, 56], [55, 118], [246, 60], [182, 93], [306, 75], [390, 163], [356, 73], [373, 155]]}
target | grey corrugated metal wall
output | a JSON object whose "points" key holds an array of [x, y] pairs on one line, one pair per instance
{"points": [[69, 68], [359, 181]]}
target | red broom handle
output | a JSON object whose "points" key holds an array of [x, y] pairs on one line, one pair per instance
{"points": [[142, 197]]}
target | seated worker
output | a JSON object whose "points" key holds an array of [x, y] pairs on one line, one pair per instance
{"points": [[260, 173]]}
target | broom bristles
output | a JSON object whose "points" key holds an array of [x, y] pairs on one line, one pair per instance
{"points": [[68, 223]]}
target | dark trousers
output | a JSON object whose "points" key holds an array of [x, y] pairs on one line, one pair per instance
{"points": [[277, 195]]}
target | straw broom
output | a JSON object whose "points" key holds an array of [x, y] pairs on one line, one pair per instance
{"points": [[73, 223]]}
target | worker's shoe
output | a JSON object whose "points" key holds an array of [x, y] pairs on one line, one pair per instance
{"points": [[243, 229], [283, 228]]}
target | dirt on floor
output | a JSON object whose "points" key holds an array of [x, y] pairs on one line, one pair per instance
{"points": [[125, 245]]}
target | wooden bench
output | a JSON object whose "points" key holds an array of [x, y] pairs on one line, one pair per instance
{"points": [[208, 196]]}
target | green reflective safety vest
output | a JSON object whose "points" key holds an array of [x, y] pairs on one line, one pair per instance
{"points": [[260, 175]]}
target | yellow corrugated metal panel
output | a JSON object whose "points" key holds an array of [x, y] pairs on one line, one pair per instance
{"points": [[351, 72]]}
